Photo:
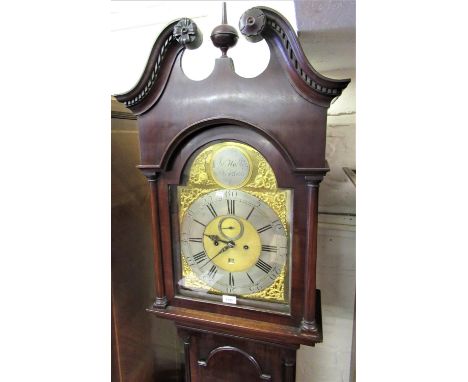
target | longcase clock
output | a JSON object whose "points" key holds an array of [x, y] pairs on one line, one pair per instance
{"points": [[234, 166]]}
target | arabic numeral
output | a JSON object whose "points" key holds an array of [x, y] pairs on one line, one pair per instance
{"points": [[230, 194], [255, 288], [277, 225]]}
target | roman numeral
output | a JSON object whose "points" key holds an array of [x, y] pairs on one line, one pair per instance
{"points": [[231, 205], [231, 280], [249, 277], [250, 213], [269, 248], [263, 229], [263, 266], [195, 239], [212, 210], [195, 220], [212, 272], [199, 257]]}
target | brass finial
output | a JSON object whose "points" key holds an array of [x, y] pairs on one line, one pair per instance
{"points": [[224, 36], [224, 14]]}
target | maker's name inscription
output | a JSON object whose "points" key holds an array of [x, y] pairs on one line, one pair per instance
{"points": [[230, 167]]}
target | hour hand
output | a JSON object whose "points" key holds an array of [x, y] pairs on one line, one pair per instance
{"points": [[216, 238]]}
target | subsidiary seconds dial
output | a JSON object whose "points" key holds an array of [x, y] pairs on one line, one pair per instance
{"points": [[234, 242]]}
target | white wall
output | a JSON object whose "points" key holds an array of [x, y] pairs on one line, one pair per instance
{"points": [[332, 53], [336, 277]]}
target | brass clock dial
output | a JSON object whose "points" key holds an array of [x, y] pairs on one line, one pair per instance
{"points": [[234, 242], [234, 226]]}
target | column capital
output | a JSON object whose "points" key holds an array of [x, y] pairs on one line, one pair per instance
{"points": [[313, 180], [187, 339], [151, 173]]}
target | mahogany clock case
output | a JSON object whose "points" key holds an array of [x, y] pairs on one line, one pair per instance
{"points": [[282, 114]]}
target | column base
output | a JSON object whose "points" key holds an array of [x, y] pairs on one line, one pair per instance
{"points": [[309, 326], [160, 303]]}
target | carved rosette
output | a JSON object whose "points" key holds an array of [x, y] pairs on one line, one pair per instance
{"points": [[178, 35], [261, 22], [252, 23], [186, 33]]}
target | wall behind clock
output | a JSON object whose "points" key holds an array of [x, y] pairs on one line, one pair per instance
{"points": [[144, 348], [327, 31]]}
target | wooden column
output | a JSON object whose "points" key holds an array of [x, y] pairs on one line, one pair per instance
{"points": [[309, 323], [290, 370], [188, 373], [161, 299]]}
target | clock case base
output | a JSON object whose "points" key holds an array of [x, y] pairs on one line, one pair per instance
{"points": [[258, 330]]}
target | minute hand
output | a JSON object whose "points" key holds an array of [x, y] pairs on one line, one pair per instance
{"points": [[224, 249]]}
